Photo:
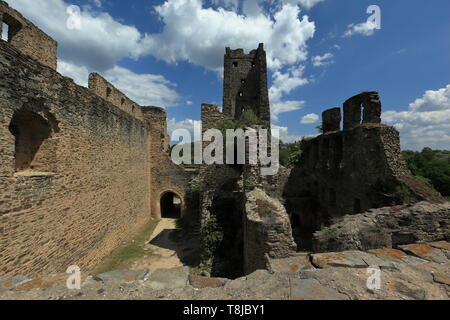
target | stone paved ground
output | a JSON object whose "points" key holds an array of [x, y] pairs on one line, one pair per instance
{"points": [[416, 272]]}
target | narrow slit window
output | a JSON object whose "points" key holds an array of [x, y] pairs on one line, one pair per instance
{"points": [[241, 94], [108, 92], [5, 32], [235, 64]]}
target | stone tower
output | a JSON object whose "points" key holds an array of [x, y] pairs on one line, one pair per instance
{"points": [[245, 84]]}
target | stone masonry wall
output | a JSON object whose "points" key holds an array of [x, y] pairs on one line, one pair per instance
{"points": [[91, 188], [165, 175], [28, 38], [350, 171], [245, 84]]}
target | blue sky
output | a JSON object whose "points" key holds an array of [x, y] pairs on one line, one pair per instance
{"points": [[320, 52]]}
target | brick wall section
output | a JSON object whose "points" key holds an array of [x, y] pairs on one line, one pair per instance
{"points": [[101, 87], [93, 189], [165, 175], [28, 38]]}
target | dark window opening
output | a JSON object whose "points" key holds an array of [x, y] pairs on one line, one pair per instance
{"points": [[242, 81], [235, 64], [357, 206], [241, 94], [5, 32], [170, 206], [108, 92], [133, 107], [122, 101], [332, 197], [30, 131], [253, 65], [338, 151]]}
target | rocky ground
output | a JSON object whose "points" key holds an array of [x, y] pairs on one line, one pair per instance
{"points": [[414, 272]]}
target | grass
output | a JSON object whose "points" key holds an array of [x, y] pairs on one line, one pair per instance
{"points": [[122, 257]]}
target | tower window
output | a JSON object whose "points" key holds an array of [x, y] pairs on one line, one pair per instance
{"points": [[5, 32], [122, 101], [242, 81], [108, 92], [235, 64], [241, 94]]}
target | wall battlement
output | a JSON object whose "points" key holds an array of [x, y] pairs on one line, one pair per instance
{"points": [[28, 38], [104, 89]]}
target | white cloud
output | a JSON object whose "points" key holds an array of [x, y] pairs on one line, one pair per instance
{"points": [[145, 89], [310, 119], [426, 123], [307, 4], [283, 84], [189, 103], [365, 28], [98, 45], [319, 61], [199, 35]]}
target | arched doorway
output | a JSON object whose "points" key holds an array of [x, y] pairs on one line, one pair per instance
{"points": [[170, 205]]}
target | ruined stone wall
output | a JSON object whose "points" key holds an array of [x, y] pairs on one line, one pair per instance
{"points": [[88, 186], [267, 231], [28, 38], [166, 176], [388, 227], [245, 84], [348, 172]]}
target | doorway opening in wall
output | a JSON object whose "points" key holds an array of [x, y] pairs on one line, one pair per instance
{"points": [[30, 131], [5, 32], [170, 206]]}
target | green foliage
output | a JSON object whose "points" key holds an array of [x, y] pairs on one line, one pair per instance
{"points": [[448, 198], [191, 217], [329, 233], [431, 167], [123, 257], [403, 192], [247, 119], [265, 208], [289, 153], [212, 236]]}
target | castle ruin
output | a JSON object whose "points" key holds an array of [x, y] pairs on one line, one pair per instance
{"points": [[82, 169]]}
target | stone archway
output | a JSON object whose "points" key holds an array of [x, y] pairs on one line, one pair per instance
{"points": [[170, 205]]}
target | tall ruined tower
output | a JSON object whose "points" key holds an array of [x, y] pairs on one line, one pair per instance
{"points": [[245, 84]]}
